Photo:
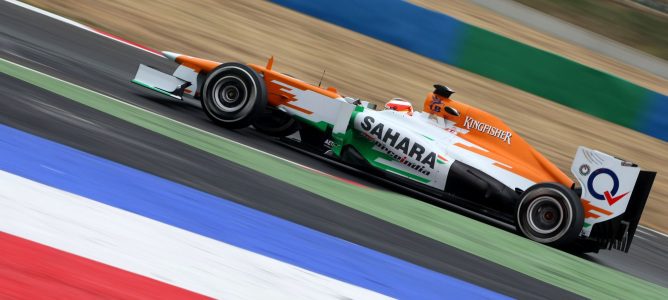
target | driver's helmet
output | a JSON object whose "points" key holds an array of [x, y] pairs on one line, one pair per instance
{"points": [[399, 105]]}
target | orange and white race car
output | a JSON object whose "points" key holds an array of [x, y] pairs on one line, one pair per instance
{"points": [[452, 150]]}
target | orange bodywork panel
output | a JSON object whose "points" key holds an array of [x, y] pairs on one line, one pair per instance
{"points": [[197, 64], [279, 95], [504, 146]]}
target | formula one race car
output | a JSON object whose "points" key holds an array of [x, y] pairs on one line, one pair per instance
{"points": [[457, 152]]}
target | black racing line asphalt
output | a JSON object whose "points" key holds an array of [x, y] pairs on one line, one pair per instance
{"points": [[106, 66]]}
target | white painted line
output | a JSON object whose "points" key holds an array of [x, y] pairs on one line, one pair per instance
{"points": [[163, 117], [654, 231], [218, 136], [84, 27], [131, 242], [48, 14]]}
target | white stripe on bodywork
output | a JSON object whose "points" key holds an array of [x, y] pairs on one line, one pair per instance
{"points": [[144, 246], [324, 108]]}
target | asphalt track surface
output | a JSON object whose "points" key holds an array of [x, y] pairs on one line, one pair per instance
{"points": [[106, 66]]}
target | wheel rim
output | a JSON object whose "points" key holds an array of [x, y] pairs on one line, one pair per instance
{"points": [[545, 215], [230, 94]]}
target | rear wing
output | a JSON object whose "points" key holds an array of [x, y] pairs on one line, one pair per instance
{"points": [[634, 211], [614, 194]]}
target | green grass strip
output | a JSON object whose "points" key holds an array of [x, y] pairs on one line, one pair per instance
{"points": [[543, 263]]}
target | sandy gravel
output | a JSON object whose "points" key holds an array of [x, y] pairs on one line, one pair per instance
{"points": [[250, 31]]}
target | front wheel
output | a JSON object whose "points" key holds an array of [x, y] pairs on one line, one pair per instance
{"points": [[550, 213], [234, 95]]}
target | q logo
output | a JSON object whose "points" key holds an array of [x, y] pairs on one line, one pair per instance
{"points": [[609, 195]]}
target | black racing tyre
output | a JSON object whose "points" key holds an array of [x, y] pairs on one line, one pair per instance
{"points": [[549, 213], [234, 95], [274, 122]]}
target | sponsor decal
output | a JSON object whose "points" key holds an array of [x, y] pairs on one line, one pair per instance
{"points": [[399, 147], [329, 144], [609, 195], [402, 159], [592, 211], [503, 135], [434, 105]]}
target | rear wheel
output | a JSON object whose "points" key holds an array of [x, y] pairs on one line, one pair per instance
{"points": [[234, 95], [550, 213]]}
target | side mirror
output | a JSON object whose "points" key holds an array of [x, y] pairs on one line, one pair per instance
{"points": [[452, 111]]}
